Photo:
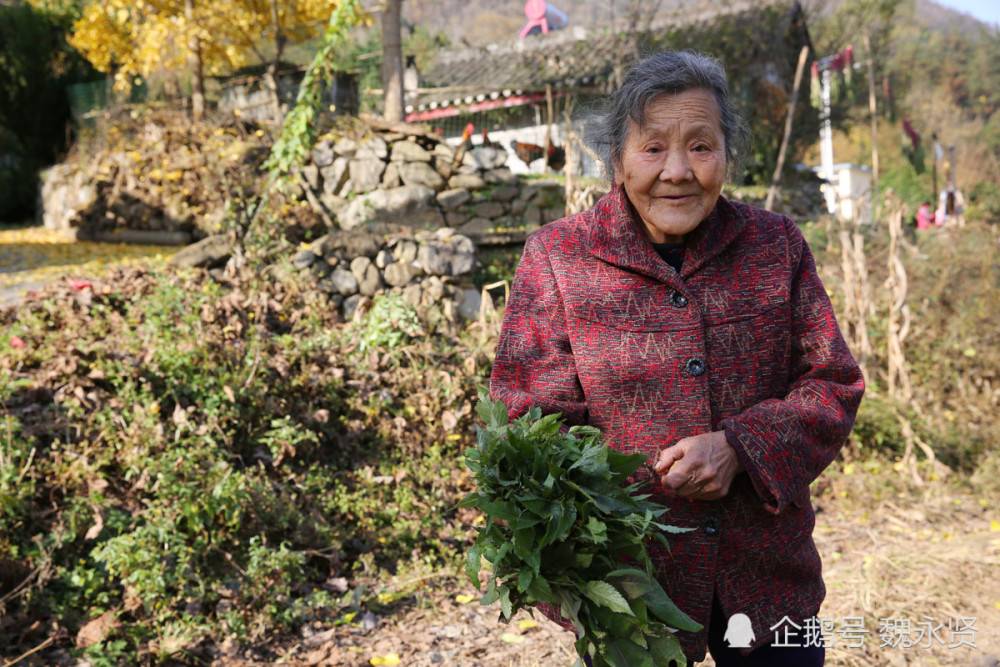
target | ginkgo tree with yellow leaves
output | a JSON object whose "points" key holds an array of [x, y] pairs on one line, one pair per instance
{"points": [[135, 38]]}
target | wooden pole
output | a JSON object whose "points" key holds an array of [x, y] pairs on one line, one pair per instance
{"points": [[874, 122], [548, 128], [773, 190], [392, 62], [934, 160]]}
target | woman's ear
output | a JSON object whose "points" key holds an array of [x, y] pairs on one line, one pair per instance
{"points": [[619, 178]]}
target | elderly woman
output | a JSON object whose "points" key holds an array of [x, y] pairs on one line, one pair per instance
{"points": [[694, 330]]}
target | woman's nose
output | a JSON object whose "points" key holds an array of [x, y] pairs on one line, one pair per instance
{"points": [[676, 167]]}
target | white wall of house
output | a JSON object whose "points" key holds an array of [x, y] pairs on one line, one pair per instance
{"points": [[851, 187]]}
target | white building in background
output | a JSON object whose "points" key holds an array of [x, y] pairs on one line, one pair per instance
{"points": [[851, 188]]}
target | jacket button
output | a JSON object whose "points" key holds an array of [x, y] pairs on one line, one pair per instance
{"points": [[695, 367], [710, 526], [678, 300]]}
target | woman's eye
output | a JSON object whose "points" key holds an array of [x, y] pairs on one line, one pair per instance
{"points": [[653, 149]]}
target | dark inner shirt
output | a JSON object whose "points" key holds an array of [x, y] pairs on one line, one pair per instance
{"points": [[671, 253]]}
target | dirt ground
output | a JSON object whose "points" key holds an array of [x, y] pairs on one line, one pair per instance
{"points": [[925, 554], [909, 546]]}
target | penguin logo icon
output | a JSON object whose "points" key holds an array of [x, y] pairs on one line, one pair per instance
{"points": [[739, 632]]}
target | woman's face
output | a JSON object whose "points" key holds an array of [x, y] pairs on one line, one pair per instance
{"points": [[674, 167]]}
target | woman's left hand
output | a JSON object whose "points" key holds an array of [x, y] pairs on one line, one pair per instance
{"points": [[701, 467]]}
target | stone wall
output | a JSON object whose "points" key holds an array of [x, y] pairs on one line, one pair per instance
{"points": [[162, 189], [430, 269], [419, 181]]}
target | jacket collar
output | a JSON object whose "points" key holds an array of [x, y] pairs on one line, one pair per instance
{"points": [[615, 237]]}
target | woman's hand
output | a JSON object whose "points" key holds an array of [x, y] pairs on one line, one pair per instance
{"points": [[701, 467]]}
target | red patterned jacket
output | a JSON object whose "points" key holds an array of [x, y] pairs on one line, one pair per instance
{"points": [[599, 328]]}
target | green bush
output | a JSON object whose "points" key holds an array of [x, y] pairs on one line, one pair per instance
{"points": [[207, 458]]}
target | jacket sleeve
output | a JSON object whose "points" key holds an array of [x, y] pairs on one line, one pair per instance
{"points": [[784, 444], [534, 363]]}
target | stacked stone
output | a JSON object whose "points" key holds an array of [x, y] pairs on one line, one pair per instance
{"points": [[429, 269], [424, 183]]}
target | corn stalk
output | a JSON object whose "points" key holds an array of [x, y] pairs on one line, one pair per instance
{"points": [[899, 312], [857, 291]]}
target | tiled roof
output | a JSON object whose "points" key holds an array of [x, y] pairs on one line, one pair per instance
{"points": [[571, 58]]}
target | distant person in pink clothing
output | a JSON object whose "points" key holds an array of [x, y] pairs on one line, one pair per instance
{"points": [[925, 217], [542, 17]]}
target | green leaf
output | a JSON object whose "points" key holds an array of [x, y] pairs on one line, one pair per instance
{"points": [[505, 605], [634, 583], [673, 530], [540, 589], [625, 464], [664, 608], [527, 521], [498, 415], [626, 653], [582, 645], [610, 623], [606, 595], [666, 649], [492, 594], [547, 426], [500, 510], [563, 517], [596, 531], [524, 540], [473, 561], [524, 578], [583, 431], [569, 607], [484, 408], [593, 461], [610, 504], [534, 561], [501, 553]]}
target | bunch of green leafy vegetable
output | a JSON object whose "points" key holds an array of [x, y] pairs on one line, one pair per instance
{"points": [[563, 528]]}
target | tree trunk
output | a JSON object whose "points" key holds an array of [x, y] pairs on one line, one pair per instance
{"points": [[271, 78], [392, 61], [776, 178], [195, 63]]}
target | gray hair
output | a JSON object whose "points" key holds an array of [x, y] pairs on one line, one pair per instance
{"points": [[669, 73]]}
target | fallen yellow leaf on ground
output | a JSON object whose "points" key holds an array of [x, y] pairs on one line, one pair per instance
{"points": [[527, 624], [390, 659], [511, 638], [462, 598], [36, 254]]}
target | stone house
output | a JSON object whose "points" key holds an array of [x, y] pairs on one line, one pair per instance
{"points": [[507, 88]]}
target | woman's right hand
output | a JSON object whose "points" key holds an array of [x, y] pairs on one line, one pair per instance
{"points": [[701, 467]]}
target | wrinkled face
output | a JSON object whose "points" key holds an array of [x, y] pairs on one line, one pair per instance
{"points": [[674, 167]]}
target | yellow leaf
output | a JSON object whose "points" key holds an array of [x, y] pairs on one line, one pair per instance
{"points": [[527, 624], [511, 638], [994, 526], [389, 659], [462, 598]]}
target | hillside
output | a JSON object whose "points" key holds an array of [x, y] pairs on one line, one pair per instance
{"points": [[478, 22]]}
